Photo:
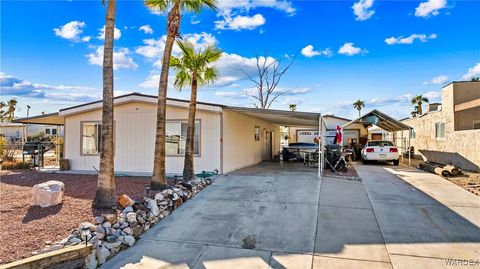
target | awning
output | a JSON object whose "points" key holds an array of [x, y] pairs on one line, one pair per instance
{"points": [[46, 119], [281, 117], [381, 120]]}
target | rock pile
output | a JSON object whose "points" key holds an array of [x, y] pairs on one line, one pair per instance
{"points": [[111, 233]]}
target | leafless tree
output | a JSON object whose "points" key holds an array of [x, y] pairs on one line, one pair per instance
{"points": [[269, 72]]}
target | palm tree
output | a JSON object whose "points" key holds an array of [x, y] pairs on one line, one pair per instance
{"points": [[293, 107], [475, 79], [11, 107], [105, 196], [195, 69], [418, 101], [358, 105], [173, 25], [3, 113]]}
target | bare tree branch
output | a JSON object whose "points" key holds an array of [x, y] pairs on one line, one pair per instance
{"points": [[268, 76]]}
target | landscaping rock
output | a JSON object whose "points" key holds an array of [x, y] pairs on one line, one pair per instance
{"points": [[152, 205], [98, 220], [128, 230], [47, 194], [91, 261], [89, 225], [111, 238], [74, 241], [132, 217], [128, 240], [112, 218], [125, 201], [106, 225], [113, 245], [102, 254], [159, 197]]}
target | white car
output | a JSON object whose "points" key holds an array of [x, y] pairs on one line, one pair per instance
{"points": [[379, 150]]}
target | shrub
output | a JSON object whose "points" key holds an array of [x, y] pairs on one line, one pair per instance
{"points": [[7, 165]]}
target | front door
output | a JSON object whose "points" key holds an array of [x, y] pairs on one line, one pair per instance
{"points": [[267, 146]]}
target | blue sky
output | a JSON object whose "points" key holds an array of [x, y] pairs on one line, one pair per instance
{"points": [[383, 52]]}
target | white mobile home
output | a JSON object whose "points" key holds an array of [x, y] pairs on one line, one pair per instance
{"points": [[227, 138]]}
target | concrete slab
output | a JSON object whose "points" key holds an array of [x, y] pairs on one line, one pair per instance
{"points": [[337, 263], [279, 189], [408, 262], [157, 254], [438, 188], [343, 193], [276, 226], [349, 233], [290, 261], [224, 257]]}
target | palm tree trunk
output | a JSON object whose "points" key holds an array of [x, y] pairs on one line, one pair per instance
{"points": [[188, 169], [105, 197], [159, 180], [359, 113]]}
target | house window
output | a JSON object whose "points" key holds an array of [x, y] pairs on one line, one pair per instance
{"points": [[176, 137], [91, 138], [47, 131], [413, 133], [54, 131], [476, 124], [439, 130]]}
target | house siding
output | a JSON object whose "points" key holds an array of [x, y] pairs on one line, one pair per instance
{"points": [[135, 139]]}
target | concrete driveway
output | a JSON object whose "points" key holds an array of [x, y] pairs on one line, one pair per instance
{"points": [[283, 216]]}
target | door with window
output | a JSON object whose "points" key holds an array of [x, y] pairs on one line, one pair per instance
{"points": [[267, 146]]}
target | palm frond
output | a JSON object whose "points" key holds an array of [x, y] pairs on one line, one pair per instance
{"points": [[159, 5]]}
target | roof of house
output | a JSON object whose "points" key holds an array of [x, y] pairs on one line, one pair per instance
{"points": [[381, 120]]}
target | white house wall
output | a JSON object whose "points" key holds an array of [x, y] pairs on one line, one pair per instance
{"points": [[239, 146], [135, 139]]}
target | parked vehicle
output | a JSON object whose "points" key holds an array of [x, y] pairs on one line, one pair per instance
{"points": [[380, 150]]}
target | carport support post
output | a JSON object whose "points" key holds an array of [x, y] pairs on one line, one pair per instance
{"points": [[320, 146], [409, 153]]}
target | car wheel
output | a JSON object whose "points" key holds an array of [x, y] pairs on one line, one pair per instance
{"points": [[396, 162], [364, 161]]}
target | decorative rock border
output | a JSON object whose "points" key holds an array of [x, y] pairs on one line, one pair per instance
{"points": [[110, 233]]}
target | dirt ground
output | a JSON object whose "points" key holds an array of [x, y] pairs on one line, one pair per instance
{"points": [[25, 228]]}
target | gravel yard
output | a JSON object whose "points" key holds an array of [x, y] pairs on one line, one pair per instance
{"points": [[25, 228]]}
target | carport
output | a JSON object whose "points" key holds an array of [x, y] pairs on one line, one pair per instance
{"points": [[290, 118], [386, 123]]}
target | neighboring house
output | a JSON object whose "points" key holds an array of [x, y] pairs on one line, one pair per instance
{"points": [[355, 133], [17, 131], [12, 131], [226, 138], [449, 132]]}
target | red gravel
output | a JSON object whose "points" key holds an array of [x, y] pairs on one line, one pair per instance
{"points": [[25, 228]]}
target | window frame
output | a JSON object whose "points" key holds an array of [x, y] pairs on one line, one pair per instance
{"points": [[413, 133], [199, 138], [82, 123], [436, 130], [473, 124]]}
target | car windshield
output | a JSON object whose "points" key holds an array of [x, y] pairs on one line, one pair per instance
{"points": [[380, 143]]}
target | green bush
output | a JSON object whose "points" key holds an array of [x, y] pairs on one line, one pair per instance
{"points": [[15, 166]]}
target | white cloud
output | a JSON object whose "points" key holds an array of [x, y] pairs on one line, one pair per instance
{"points": [[239, 22], [309, 52], [72, 31], [431, 7], [362, 10], [439, 80], [13, 86], [153, 48], [146, 29], [121, 58], [350, 50], [472, 72], [116, 33], [226, 7], [410, 39]]}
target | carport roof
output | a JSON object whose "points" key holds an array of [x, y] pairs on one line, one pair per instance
{"points": [[281, 117], [46, 119], [381, 120]]}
